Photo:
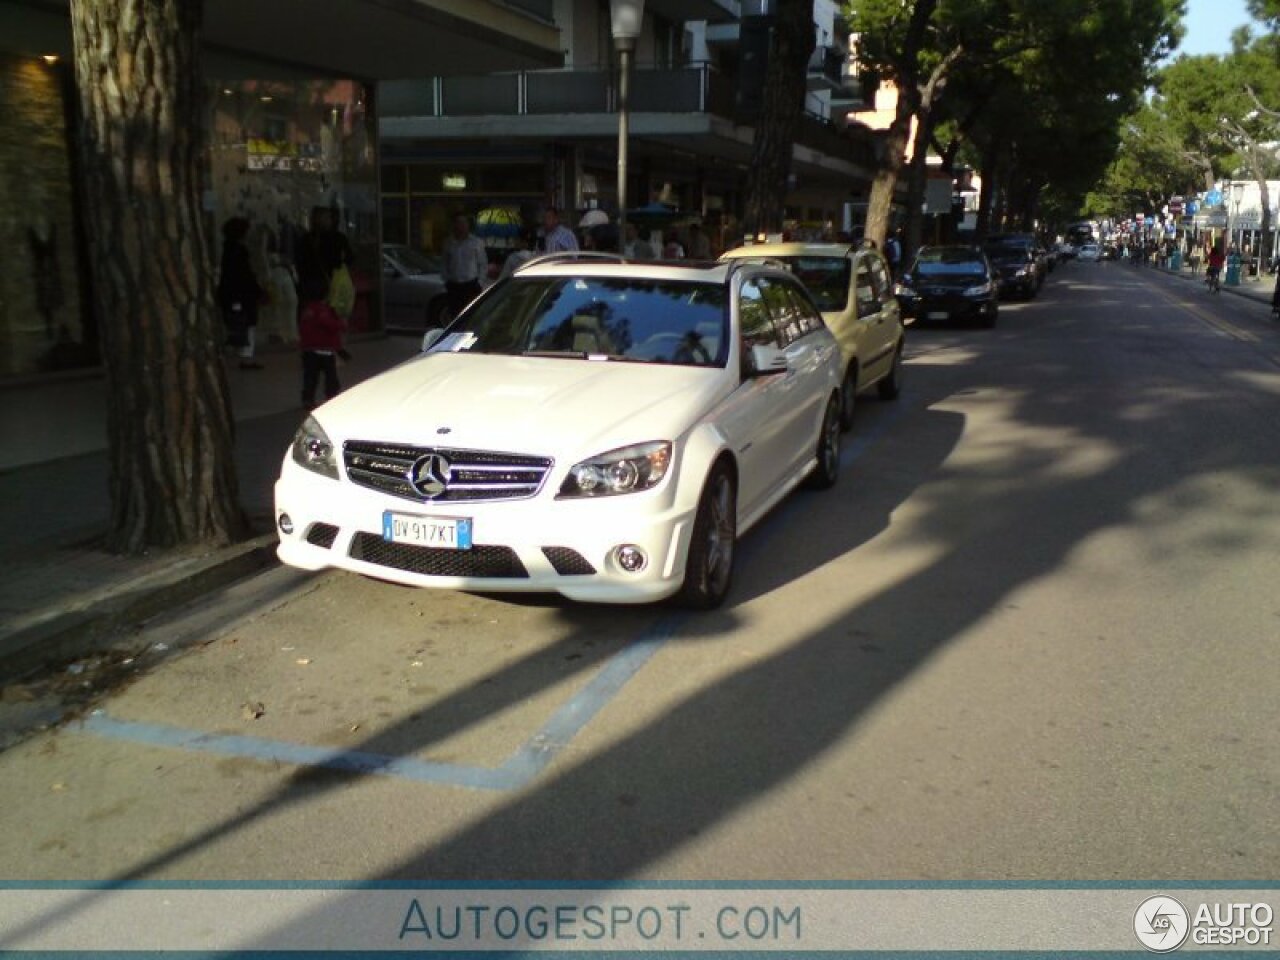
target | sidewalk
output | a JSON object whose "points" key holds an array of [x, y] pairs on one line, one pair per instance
{"points": [[62, 594], [1258, 288]]}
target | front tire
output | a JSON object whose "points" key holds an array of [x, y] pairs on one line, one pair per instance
{"points": [[708, 569], [827, 471], [891, 385]]}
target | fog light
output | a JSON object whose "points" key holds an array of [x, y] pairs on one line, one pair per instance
{"points": [[285, 523], [631, 558]]}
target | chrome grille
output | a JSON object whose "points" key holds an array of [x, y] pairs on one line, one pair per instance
{"points": [[473, 475]]}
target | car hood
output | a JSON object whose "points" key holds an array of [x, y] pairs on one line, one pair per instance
{"points": [[542, 406]]}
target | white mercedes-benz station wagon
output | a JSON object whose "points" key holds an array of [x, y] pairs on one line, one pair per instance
{"points": [[594, 427]]}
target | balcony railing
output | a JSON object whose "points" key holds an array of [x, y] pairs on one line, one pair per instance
{"points": [[826, 68], [692, 89], [696, 89]]}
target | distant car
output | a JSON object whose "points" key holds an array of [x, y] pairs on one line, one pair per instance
{"points": [[413, 293], [1020, 269], [1090, 252], [950, 284], [853, 288], [594, 427]]}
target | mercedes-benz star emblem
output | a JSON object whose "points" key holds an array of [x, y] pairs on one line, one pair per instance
{"points": [[429, 475]]}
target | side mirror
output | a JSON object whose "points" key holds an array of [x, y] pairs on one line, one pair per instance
{"points": [[431, 338], [390, 272], [766, 359]]}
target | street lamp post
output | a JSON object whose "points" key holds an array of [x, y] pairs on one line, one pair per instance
{"points": [[625, 19], [1237, 194]]}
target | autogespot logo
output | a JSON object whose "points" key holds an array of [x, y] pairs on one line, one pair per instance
{"points": [[1161, 924]]}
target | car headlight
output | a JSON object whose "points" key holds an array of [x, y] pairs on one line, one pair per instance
{"points": [[313, 450], [1023, 271], [978, 291], [627, 470], [904, 291]]}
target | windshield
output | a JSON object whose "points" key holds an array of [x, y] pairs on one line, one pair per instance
{"points": [[1008, 250], [616, 318], [412, 261], [949, 263], [826, 278]]}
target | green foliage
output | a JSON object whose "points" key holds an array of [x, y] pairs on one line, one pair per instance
{"points": [[1038, 89]]}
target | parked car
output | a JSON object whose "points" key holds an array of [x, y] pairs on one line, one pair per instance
{"points": [[1090, 252], [413, 292], [601, 429], [1016, 262], [950, 284], [854, 290]]}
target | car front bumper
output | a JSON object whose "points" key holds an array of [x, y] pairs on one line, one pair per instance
{"points": [[534, 545], [955, 308]]}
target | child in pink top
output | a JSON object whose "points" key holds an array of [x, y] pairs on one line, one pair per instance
{"points": [[320, 330]]}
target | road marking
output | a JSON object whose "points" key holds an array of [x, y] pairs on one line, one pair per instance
{"points": [[1198, 311], [530, 758]]}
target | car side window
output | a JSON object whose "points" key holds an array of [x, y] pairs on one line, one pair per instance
{"points": [[755, 325], [881, 279], [782, 307], [865, 294], [807, 317]]}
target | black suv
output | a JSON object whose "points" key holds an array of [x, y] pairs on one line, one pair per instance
{"points": [[1016, 259], [951, 283]]}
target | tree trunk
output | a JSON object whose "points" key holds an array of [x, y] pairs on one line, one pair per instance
{"points": [[170, 429], [891, 157], [790, 47]]}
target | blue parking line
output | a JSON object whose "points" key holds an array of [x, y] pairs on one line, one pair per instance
{"points": [[530, 758]]}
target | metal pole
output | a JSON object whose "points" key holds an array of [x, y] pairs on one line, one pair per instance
{"points": [[624, 93]]}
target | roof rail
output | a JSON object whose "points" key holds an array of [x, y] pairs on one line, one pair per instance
{"points": [[568, 256]]}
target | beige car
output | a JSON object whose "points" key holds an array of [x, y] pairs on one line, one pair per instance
{"points": [[853, 288]]}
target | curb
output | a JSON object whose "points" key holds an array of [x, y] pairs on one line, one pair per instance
{"points": [[63, 633], [1239, 290]]}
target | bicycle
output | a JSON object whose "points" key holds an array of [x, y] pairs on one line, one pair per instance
{"points": [[1211, 280]]}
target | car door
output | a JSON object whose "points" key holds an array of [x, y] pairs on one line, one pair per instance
{"points": [[751, 424], [882, 312], [808, 359]]}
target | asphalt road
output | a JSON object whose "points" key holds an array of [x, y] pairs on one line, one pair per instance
{"points": [[1031, 634]]}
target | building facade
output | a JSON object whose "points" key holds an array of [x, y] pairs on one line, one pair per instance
{"points": [[290, 122], [504, 145]]}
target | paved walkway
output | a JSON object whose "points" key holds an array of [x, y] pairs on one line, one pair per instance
{"points": [[59, 584]]}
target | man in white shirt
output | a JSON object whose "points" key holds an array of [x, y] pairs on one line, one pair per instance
{"points": [[466, 265], [556, 237]]}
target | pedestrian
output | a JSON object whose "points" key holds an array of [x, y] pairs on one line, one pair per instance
{"points": [[699, 243], [556, 237], [1213, 272], [893, 251], [320, 330], [637, 248], [522, 254], [239, 292], [466, 265]]}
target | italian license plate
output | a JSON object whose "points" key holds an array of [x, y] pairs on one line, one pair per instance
{"points": [[445, 533], [938, 315]]}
